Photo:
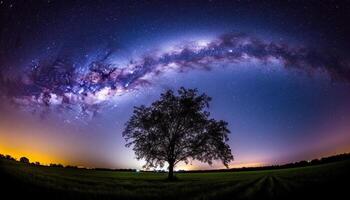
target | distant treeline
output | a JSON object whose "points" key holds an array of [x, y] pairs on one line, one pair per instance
{"points": [[303, 163], [26, 161], [119, 170]]}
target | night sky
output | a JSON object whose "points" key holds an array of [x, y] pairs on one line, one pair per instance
{"points": [[72, 71]]}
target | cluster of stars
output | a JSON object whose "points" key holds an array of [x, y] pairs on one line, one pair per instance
{"points": [[63, 83]]}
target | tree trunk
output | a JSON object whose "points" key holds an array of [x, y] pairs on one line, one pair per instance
{"points": [[171, 171]]}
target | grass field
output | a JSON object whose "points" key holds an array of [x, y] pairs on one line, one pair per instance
{"points": [[326, 180]]}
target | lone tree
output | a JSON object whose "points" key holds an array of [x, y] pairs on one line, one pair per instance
{"points": [[177, 128]]}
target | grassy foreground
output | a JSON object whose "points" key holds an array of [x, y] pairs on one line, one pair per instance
{"points": [[326, 180]]}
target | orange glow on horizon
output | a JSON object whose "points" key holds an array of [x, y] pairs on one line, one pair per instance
{"points": [[32, 155], [47, 147], [34, 147]]}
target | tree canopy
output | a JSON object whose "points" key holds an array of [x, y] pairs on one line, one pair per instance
{"points": [[24, 160], [177, 128]]}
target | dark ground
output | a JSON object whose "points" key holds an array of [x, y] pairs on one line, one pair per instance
{"points": [[329, 180]]}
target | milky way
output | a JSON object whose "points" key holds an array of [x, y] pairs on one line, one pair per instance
{"points": [[72, 71], [63, 83]]}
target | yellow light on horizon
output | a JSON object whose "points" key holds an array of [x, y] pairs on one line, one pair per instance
{"points": [[32, 155]]}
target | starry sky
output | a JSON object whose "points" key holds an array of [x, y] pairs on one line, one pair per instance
{"points": [[72, 71]]}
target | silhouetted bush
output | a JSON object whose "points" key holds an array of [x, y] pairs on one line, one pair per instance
{"points": [[8, 157], [315, 161], [71, 167], [56, 165], [117, 170], [24, 160]]}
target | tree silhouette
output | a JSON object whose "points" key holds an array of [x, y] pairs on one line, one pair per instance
{"points": [[177, 128], [24, 160]]}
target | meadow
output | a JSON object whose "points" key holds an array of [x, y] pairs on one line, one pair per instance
{"points": [[25, 180]]}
